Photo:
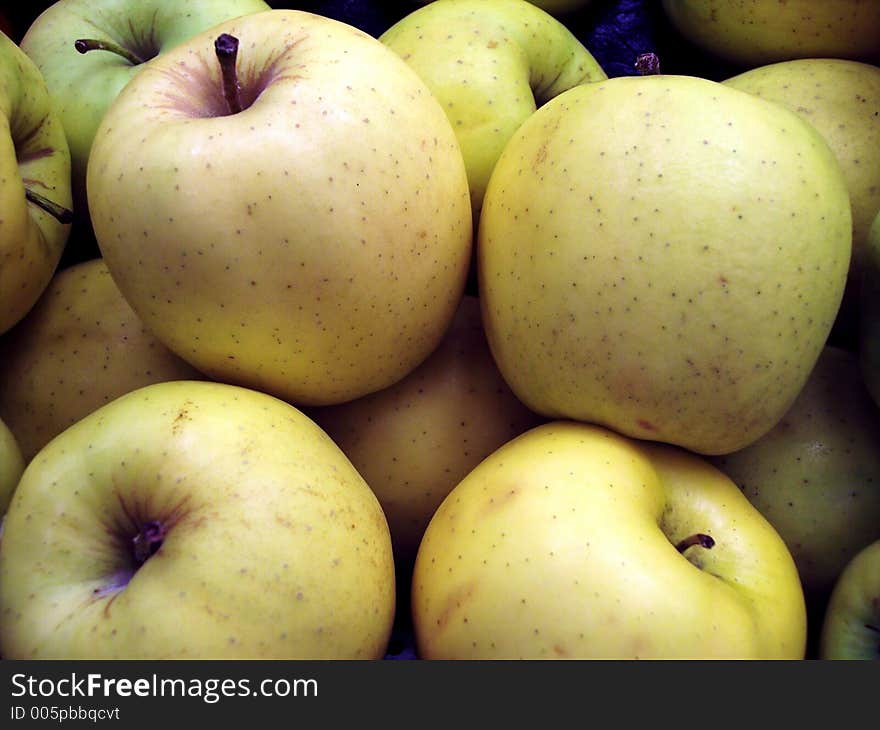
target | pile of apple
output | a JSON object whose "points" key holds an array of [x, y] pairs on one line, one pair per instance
{"points": [[442, 330]]}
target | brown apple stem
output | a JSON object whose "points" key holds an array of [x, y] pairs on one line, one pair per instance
{"points": [[59, 212], [699, 538], [84, 45], [647, 64], [147, 541], [871, 627], [226, 48]]}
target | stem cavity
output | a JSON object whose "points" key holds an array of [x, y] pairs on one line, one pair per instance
{"points": [[59, 212], [701, 539], [84, 45], [226, 48], [147, 541]]}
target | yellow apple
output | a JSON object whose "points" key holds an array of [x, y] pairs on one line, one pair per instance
{"points": [[663, 255], [840, 98], [308, 235], [816, 474], [869, 312], [755, 32], [415, 440], [490, 63], [12, 465], [80, 347], [190, 519], [572, 541], [851, 625], [82, 83], [35, 192]]}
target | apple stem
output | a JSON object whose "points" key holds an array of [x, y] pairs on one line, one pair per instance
{"points": [[59, 212], [226, 48], [147, 541], [84, 45], [647, 64], [699, 538]]}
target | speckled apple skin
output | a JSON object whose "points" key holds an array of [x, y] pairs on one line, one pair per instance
{"points": [[80, 347], [274, 545], [841, 99], [816, 474], [663, 255], [316, 244]]}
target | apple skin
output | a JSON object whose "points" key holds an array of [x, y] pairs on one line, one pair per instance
{"points": [[752, 33], [815, 475], [851, 625], [318, 241], [639, 276], [274, 545], [415, 440], [33, 155], [491, 63], [80, 347], [840, 98], [562, 544], [83, 85], [869, 312], [12, 465]]}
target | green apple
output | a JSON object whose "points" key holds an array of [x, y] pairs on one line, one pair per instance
{"points": [[313, 244], [815, 476], [190, 519], [664, 255], [12, 465], [35, 195], [851, 624], [840, 98], [80, 347], [869, 312], [572, 541], [415, 440], [490, 63], [752, 33], [119, 36]]}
